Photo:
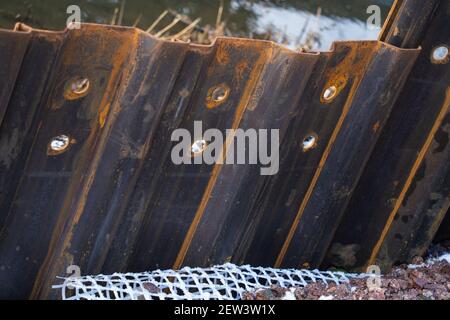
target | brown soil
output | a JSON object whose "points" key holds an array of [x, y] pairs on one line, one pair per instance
{"points": [[423, 282]]}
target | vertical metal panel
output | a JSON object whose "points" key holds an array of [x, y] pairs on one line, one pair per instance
{"points": [[12, 49], [23, 108], [408, 22], [50, 185], [443, 234], [274, 104], [181, 191], [412, 145], [156, 166], [368, 108]]}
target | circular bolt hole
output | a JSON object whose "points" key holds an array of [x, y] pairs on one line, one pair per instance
{"points": [[59, 144], [440, 54], [198, 147], [80, 86], [219, 94], [329, 93], [310, 142]]}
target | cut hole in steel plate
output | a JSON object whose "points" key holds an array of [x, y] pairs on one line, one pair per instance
{"points": [[58, 144], [439, 55], [198, 147], [76, 88], [329, 93], [217, 95], [309, 142]]}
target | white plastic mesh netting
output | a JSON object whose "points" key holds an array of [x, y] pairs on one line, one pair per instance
{"points": [[225, 282]]}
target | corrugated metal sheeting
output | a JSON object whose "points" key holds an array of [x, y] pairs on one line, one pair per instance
{"points": [[374, 189]]}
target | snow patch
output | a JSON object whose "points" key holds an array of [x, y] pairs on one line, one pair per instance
{"points": [[444, 257], [289, 295], [326, 298]]}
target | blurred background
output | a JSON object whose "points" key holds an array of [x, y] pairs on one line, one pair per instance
{"points": [[298, 24]]}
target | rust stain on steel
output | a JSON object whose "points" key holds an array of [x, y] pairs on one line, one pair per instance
{"points": [[373, 100], [250, 87], [114, 201], [407, 21], [315, 178], [357, 61], [444, 111], [403, 192], [73, 209], [71, 90], [212, 101], [218, 234]]}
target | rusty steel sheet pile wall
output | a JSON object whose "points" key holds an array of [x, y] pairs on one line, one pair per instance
{"points": [[403, 195], [113, 200]]}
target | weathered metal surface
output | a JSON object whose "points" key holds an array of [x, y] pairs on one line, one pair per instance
{"points": [[404, 191], [113, 200], [12, 49], [331, 174], [408, 22], [443, 233]]}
